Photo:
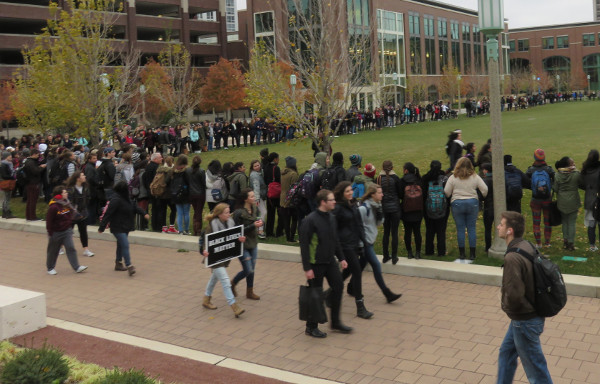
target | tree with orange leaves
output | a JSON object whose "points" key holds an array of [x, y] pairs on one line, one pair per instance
{"points": [[224, 88], [7, 90], [148, 104]]}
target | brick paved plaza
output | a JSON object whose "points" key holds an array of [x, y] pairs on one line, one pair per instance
{"points": [[438, 332]]}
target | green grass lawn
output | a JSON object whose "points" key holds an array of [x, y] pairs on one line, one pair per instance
{"points": [[565, 129]]}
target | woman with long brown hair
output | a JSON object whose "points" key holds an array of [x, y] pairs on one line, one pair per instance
{"points": [[350, 232], [79, 196], [462, 188]]}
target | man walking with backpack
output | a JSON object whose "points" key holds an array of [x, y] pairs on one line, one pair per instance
{"points": [[518, 299]]}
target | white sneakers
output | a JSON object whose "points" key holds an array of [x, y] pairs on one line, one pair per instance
{"points": [[52, 272], [88, 253], [81, 268], [62, 251]]}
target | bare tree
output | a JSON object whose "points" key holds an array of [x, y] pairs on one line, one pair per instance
{"points": [[330, 62]]}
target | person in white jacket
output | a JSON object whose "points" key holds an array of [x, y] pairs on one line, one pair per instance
{"points": [[371, 213]]}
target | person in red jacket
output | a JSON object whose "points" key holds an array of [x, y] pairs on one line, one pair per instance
{"points": [[59, 218]]}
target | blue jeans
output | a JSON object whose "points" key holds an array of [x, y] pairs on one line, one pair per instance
{"points": [[248, 261], [220, 274], [210, 143], [183, 217], [258, 135], [122, 248], [465, 216], [523, 340], [371, 258]]}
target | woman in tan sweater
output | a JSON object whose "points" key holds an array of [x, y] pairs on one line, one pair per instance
{"points": [[462, 187]]}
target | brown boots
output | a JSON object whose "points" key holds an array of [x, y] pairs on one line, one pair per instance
{"points": [[207, 304], [237, 310], [119, 266], [251, 295]]}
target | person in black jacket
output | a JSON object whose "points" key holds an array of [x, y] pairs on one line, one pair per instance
{"points": [[351, 231], [411, 193], [318, 261], [514, 193], [155, 161], [271, 174], [390, 184], [488, 204], [120, 214], [197, 179], [79, 195], [454, 147], [435, 227], [106, 172], [33, 174], [91, 178]]}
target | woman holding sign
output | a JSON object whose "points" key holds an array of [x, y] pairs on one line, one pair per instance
{"points": [[247, 216], [218, 220]]}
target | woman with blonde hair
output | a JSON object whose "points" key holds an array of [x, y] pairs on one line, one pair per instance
{"points": [[462, 188], [218, 220]]}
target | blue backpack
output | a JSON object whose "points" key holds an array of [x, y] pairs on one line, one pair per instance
{"points": [[358, 190], [541, 186], [436, 203]]}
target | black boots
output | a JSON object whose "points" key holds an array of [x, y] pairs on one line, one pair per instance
{"points": [[410, 255], [7, 214], [461, 250], [418, 255], [394, 260], [361, 311], [391, 296], [341, 327], [472, 253], [315, 332], [385, 259]]}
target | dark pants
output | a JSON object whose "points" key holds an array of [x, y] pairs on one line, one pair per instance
{"points": [[290, 222], [488, 224], [332, 273], [140, 219], [33, 192], [512, 205], [92, 209], [355, 270], [55, 242], [154, 220], [435, 228], [412, 228], [391, 224], [82, 228], [197, 202], [272, 207]]}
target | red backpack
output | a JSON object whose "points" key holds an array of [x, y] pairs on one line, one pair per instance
{"points": [[413, 198]]}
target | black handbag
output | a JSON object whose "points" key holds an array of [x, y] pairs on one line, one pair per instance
{"points": [[310, 304], [555, 215]]}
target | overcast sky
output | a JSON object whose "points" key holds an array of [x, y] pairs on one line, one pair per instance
{"points": [[530, 13]]}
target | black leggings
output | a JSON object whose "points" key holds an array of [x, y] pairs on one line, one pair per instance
{"points": [[82, 228], [355, 270], [390, 225], [411, 227]]}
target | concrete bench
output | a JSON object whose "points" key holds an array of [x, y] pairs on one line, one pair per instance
{"points": [[21, 311]]}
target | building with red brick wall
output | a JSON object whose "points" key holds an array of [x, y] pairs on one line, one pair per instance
{"points": [[569, 51]]}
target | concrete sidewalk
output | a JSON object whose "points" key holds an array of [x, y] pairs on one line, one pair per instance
{"points": [[440, 331]]}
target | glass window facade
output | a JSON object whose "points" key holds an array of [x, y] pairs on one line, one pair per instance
{"points": [[589, 40], [477, 50], [264, 30], [511, 46], [390, 36], [548, 42], [466, 38], [414, 29], [358, 12], [523, 45], [562, 42], [429, 32]]}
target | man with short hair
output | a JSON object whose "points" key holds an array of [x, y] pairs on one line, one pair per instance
{"points": [[518, 295], [318, 258]]}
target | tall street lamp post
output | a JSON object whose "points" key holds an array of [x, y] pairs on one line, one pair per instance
{"points": [[588, 78], [143, 92], [491, 23], [558, 84]]}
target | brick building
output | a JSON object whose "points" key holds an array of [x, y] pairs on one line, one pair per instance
{"points": [[563, 52], [143, 24]]}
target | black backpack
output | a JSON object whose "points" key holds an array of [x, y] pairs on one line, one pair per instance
{"points": [[514, 189], [550, 289], [329, 179]]}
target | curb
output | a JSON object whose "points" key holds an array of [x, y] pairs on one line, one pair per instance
{"points": [[577, 285]]}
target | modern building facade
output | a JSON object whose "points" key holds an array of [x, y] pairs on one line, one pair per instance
{"points": [[143, 24], [567, 53], [414, 40]]}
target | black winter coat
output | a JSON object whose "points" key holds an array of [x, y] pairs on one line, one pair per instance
{"points": [[390, 185], [120, 214], [350, 226]]}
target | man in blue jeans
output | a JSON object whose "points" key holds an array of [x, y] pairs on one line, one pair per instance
{"points": [[518, 293]]}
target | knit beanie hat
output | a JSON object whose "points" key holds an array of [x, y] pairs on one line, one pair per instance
{"points": [[290, 162], [356, 159], [507, 159], [539, 155], [370, 170]]}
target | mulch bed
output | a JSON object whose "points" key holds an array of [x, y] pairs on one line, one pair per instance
{"points": [[110, 354]]}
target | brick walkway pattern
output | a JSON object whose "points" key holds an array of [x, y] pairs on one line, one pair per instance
{"points": [[438, 332]]}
